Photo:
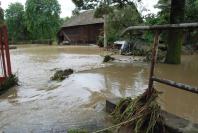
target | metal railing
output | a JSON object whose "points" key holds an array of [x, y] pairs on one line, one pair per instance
{"points": [[4, 54], [157, 29]]}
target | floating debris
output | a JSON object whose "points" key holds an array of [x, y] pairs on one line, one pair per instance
{"points": [[62, 74], [142, 114], [108, 58], [160, 58], [10, 82]]}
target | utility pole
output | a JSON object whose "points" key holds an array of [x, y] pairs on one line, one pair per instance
{"points": [[107, 3], [105, 31]]}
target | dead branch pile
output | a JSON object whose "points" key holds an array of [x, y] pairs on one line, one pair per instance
{"points": [[145, 112]]}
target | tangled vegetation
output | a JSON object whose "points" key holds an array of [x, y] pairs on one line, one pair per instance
{"points": [[62, 74], [11, 81], [160, 57], [108, 58], [142, 115]]}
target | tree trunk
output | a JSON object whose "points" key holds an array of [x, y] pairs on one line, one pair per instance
{"points": [[105, 31], [175, 37]]}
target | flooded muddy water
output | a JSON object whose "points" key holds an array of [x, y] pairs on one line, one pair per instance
{"points": [[41, 105]]}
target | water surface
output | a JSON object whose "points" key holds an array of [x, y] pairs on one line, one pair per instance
{"points": [[40, 105]]}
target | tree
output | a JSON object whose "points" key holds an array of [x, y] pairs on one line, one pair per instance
{"points": [[164, 13], [1, 16], [191, 14], [191, 9], [175, 37], [162, 17], [121, 19], [42, 18], [15, 21], [103, 8], [63, 20]]}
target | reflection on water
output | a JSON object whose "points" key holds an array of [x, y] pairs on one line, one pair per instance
{"points": [[176, 101], [123, 80], [39, 105]]}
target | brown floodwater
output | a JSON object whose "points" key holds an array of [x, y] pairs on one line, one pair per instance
{"points": [[41, 105]]}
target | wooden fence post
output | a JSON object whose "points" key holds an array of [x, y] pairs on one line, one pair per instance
{"points": [[153, 61]]}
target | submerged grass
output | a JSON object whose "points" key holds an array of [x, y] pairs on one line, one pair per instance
{"points": [[10, 81], [143, 114], [62, 74]]}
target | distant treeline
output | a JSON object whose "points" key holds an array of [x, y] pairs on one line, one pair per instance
{"points": [[37, 20]]}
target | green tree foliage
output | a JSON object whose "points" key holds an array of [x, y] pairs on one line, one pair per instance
{"points": [[93, 4], [191, 9], [15, 21], [191, 14], [164, 13], [1, 16], [63, 20], [42, 18], [120, 19], [162, 17], [103, 7]]}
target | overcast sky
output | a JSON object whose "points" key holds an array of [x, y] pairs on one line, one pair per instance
{"points": [[67, 6]]}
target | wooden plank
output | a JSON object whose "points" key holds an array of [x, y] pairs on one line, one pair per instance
{"points": [[177, 85]]}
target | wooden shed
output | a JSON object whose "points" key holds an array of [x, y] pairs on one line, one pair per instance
{"points": [[81, 29]]}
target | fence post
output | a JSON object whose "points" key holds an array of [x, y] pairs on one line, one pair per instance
{"points": [[7, 52], [2, 53], [153, 61]]}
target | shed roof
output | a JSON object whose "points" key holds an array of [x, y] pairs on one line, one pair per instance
{"points": [[84, 18]]}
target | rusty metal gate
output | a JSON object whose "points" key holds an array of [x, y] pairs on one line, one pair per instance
{"points": [[5, 65]]}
